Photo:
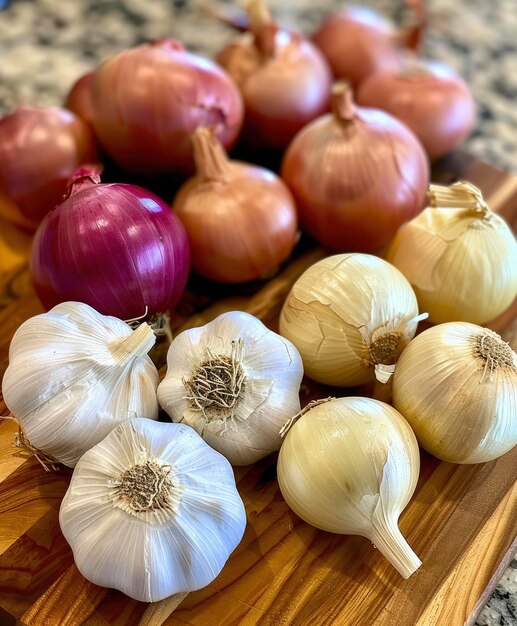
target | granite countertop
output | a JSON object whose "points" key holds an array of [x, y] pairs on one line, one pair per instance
{"points": [[46, 45]]}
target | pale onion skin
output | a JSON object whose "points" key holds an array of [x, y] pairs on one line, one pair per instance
{"points": [[356, 179], [152, 555], [330, 302], [357, 42], [434, 102], [149, 99], [350, 466], [273, 370], [281, 93], [240, 218], [461, 266], [457, 412], [40, 148]]}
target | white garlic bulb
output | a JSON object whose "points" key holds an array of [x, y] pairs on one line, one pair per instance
{"points": [[75, 374], [235, 382], [152, 511], [350, 316], [459, 256], [456, 384], [350, 466]]}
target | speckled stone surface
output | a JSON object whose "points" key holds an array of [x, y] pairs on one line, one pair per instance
{"points": [[46, 44]]}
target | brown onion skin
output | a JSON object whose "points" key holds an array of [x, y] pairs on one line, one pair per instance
{"points": [[355, 182], [435, 103], [79, 98], [40, 148], [241, 221], [149, 99], [357, 42], [281, 93]]}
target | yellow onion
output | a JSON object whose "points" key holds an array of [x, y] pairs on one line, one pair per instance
{"points": [[350, 465], [459, 256], [456, 384], [356, 175], [350, 316], [240, 218]]}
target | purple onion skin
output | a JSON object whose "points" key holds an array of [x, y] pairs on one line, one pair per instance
{"points": [[116, 247]]}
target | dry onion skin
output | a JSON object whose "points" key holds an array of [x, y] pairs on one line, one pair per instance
{"points": [[350, 316], [459, 256], [456, 384], [148, 100], [284, 79], [356, 175], [358, 42], [350, 466], [431, 99], [240, 218]]}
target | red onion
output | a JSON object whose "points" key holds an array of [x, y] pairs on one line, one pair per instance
{"points": [[40, 148], [148, 100], [357, 42], [240, 218], [79, 98], [116, 247], [356, 175], [284, 80], [430, 98]]}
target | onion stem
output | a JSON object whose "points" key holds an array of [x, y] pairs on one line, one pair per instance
{"points": [[210, 156], [342, 101], [387, 537], [263, 27], [85, 176], [460, 195]]}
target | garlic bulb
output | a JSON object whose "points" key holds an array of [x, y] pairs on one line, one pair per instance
{"points": [[350, 316], [152, 511], [74, 374], [350, 466], [456, 384], [459, 256], [235, 382]]}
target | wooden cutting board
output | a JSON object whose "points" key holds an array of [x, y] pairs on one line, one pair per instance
{"points": [[461, 521]]}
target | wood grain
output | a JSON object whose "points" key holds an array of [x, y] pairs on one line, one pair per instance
{"points": [[461, 521]]}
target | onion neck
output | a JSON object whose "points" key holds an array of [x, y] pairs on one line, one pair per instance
{"points": [[85, 176], [263, 27], [342, 102], [387, 537], [412, 37], [210, 157], [460, 195]]}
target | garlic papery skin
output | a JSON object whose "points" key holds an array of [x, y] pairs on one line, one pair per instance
{"points": [[235, 382], [75, 374], [456, 384], [350, 466], [459, 256], [152, 511], [350, 316]]}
